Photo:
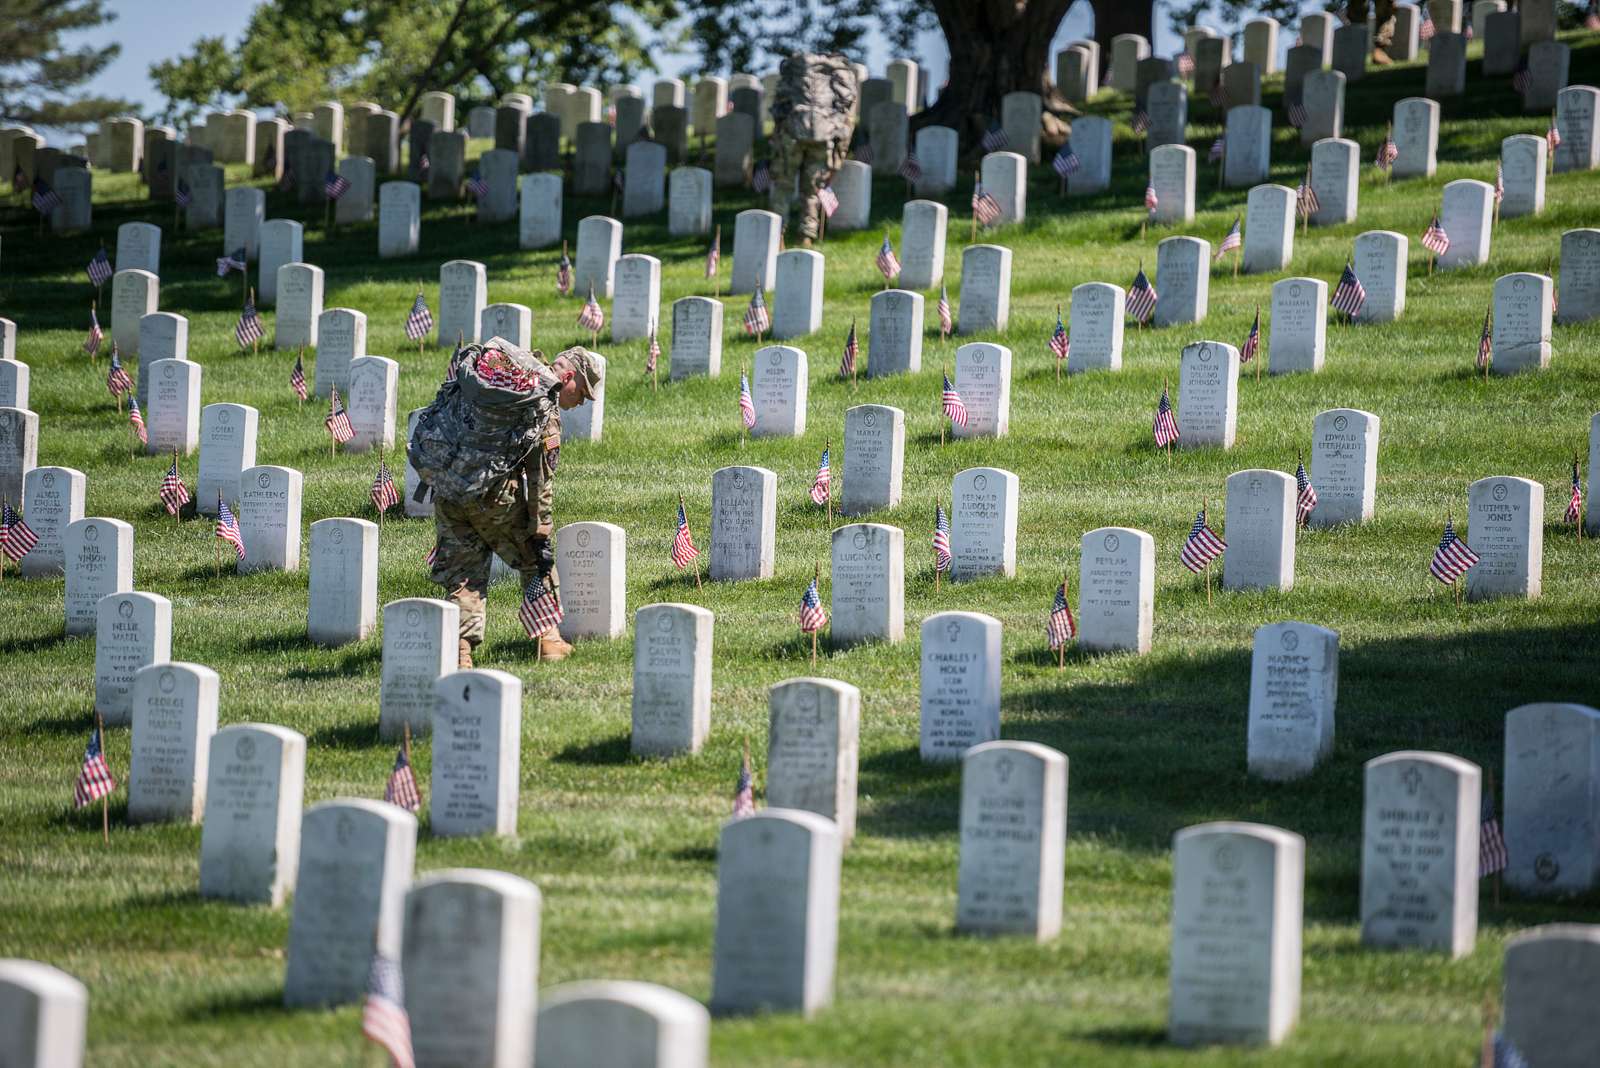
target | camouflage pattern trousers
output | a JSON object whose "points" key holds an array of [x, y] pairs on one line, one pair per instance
{"points": [[800, 174], [468, 537]]}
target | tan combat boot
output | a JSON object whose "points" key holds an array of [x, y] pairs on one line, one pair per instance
{"points": [[464, 655], [552, 646]]}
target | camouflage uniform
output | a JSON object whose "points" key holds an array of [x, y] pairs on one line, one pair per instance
{"points": [[514, 523], [514, 517], [810, 132], [1382, 20]]}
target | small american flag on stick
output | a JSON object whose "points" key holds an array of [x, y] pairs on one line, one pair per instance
{"points": [[822, 485], [1252, 343], [683, 547], [590, 317], [1426, 29], [46, 200], [756, 319], [1164, 427], [829, 200], [1140, 121], [541, 609], [1306, 495], [334, 185], [1499, 183], [941, 539], [338, 421], [1388, 152], [1202, 546], [888, 264], [181, 196], [401, 789], [954, 408], [564, 273], [1306, 201], [477, 188], [747, 405], [1349, 295], [910, 168], [384, 494], [173, 493], [1218, 147], [1232, 241], [1453, 558], [91, 344], [1486, 340], [812, 615], [852, 348], [17, 539], [1296, 113], [248, 330], [1141, 300], [744, 799], [136, 420], [1060, 628], [1060, 343], [1492, 856], [117, 380], [1552, 136], [1434, 238], [228, 528], [99, 268], [383, 1017], [761, 176], [985, 208], [995, 139], [1066, 160], [94, 777], [713, 254], [420, 320], [231, 261], [1151, 201], [297, 377], [1574, 511], [946, 320]]}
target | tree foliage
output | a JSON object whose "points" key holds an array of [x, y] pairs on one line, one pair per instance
{"points": [[40, 75], [755, 35], [296, 53]]}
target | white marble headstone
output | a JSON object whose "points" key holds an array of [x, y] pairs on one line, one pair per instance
{"points": [[343, 582], [1294, 691], [419, 648], [894, 339], [132, 631], [1505, 527], [1116, 590], [250, 844], [812, 749], [671, 679], [1260, 531], [477, 747], [959, 683], [1208, 395], [592, 565], [1013, 840], [52, 500]]}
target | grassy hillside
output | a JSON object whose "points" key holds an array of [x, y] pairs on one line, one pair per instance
{"points": [[624, 850]]}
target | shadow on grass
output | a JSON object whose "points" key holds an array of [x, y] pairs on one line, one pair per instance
{"points": [[359, 734], [266, 1003], [351, 665], [1129, 1036], [282, 642], [611, 751], [38, 643], [696, 854]]}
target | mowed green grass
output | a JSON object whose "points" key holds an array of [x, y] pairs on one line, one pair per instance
{"points": [[624, 849]]}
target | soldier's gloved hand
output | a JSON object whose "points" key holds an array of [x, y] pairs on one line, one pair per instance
{"points": [[544, 557]]}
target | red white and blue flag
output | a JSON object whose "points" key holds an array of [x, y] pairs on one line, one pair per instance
{"points": [[995, 139], [852, 348], [747, 405], [45, 199], [1066, 161], [888, 263], [91, 344], [94, 777], [173, 493], [1164, 426], [1060, 343], [822, 485], [1575, 500], [117, 380], [564, 274], [541, 609], [744, 797], [1492, 856], [955, 409], [1201, 546], [297, 378], [1486, 340], [1453, 558], [99, 268], [984, 206], [1060, 628], [401, 789], [941, 539], [231, 261], [383, 1017], [1305, 497], [1231, 241], [1388, 152], [1141, 299], [590, 317], [1252, 343], [420, 320], [335, 185], [338, 421], [248, 330], [384, 494], [946, 320], [17, 539], [683, 548], [812, 616], [828, 199], [756, 319], [911, 168], [1434, 238], [136, 420], [1349, 296], [228, 528]]}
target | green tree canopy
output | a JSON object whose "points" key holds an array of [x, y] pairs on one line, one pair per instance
{"points": [[40, 76], [299, 52]]}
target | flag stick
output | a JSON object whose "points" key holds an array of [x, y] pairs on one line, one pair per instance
{"points": [[853, 362], [1205, 506], [256, 344], [941, 409], [829, 448], [302, 362], [407, 742], [1061, 650], [1578, 522], [177, 516], [381, 509], [716, 289], [936, 558], [1491, 807], [1058, 355], [94, 307], [1166, 385], [1486, 1047], [1257, 356], [105, 799], [816, 577], [973, 237]]}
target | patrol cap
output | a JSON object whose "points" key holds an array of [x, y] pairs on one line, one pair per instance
{"points": [[587, 368]]}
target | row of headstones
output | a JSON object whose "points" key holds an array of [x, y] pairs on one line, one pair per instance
{"points": [[1234, 884]]}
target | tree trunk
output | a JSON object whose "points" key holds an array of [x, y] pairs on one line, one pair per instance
{"points": [[996, 47], [1112, 17]]}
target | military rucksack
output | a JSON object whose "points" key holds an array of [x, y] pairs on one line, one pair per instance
{"points": [[484, 423]]}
